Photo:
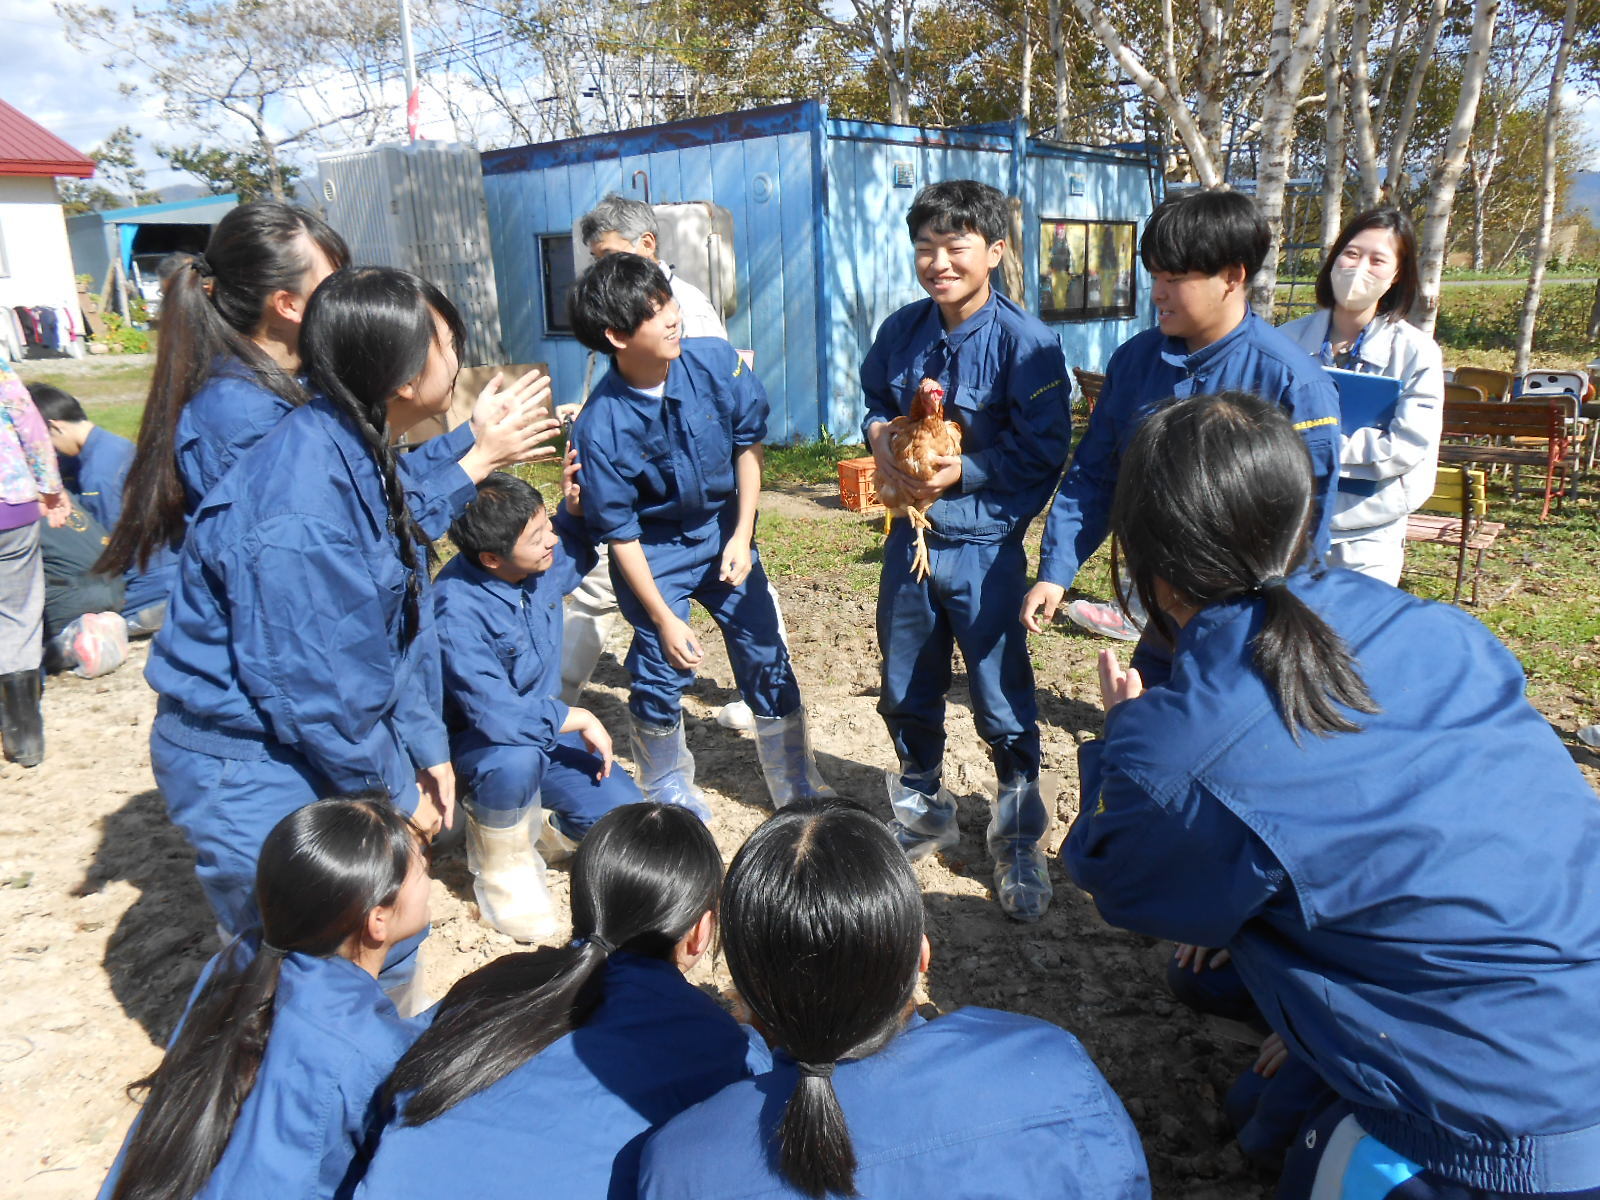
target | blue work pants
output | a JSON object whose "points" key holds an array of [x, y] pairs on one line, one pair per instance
{"points": [[504, 780]]}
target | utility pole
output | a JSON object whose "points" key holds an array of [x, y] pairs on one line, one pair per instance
{"points": [[411, 69]]}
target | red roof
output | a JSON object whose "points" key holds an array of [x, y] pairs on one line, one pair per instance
{"points": [[28, 148]]}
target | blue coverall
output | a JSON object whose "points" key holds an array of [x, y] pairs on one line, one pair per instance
{"points": [[501, 648], [975, 1103], [99, 474], [660, 470], [308, 1127], [1147, 370], [1005, 382], [571, 1121], [1412, 906], [233, 410], [280, 668]]}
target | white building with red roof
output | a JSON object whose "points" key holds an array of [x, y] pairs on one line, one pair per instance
{"points": [[35, 262]]}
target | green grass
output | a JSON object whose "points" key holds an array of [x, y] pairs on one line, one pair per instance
{"points": [[111, 391], [809, 462]]}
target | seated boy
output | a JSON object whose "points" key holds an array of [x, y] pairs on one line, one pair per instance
{"points": [[669, 446], [1005, 383], [84, 631], [1201, 250], [515, 745], [94, 465]]}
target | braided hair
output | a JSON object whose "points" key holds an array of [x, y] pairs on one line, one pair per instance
{"points": [[367, 333]]}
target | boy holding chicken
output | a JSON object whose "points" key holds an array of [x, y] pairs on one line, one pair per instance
{"points": [[1003, 379]]}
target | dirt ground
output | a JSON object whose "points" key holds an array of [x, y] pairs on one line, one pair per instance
{"points": [[103, 929]]}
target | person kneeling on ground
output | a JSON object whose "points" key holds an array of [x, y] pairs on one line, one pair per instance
{"points": [[94, 466], [823, 928], [272, 1084], [516, 746], [1346, 788], [669, 444], [543, 1071]]}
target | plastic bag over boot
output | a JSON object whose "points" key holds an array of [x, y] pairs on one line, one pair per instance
{"points": [[665, 766], [783, 744], [508, 877], [1021, 875], [924, 812]]}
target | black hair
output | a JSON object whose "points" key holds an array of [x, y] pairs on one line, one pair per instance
{"points": [[959, 206], [822, 926], [322, 869], [1215, 497], [643, 876], [620, 292], [367, 333], [496, 518], [1208, 232], [211, 304], [1402, 293], [54, 404]]}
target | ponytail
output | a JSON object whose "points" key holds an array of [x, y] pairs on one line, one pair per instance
{"points": [[643, 877], [211, 305], [322, 869], [366, 335], [1214, 499], [822, 928]]}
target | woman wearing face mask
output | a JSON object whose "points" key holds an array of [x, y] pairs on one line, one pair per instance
{"points": [[1365, 288]]}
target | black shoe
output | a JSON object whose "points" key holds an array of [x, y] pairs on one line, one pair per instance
{"points": [[21, 720]]}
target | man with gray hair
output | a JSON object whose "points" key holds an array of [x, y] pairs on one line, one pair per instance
{"points": [[618, 225]]}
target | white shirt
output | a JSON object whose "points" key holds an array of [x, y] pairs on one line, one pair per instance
{"points": [[700, 319], [1402, 459]]}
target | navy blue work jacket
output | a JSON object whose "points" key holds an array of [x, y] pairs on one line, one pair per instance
{"points": [[1005, 384], [308, 1126], [501, 645], [285, 624], [570, 1121], [1413, 906], [975, 1103], [1150, 368], [657, 468], [233, 411], [99, 474]]}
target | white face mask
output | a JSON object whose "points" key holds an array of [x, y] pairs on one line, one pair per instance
{"points": [[1358, 288]]}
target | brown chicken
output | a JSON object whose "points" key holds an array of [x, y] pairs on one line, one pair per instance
{"points": [[914, 442]]}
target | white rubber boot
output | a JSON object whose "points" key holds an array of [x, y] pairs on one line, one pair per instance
{"points": [[508, 878], [553, 845], [591, 612], [783, 744]]}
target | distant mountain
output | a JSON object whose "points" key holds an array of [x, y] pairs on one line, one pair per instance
{"points": [[1585, 194], [183, 191]]}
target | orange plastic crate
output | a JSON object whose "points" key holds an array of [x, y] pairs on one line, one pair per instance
{"points": [[855, 486]]}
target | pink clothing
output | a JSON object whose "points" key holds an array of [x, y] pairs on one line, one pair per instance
{"points": [[27, 460]]}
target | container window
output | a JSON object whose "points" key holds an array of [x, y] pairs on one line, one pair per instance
{"points": [[1086, 270], [555, 263]]}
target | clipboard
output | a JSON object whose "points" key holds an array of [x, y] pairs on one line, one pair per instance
{"points": [[1365, 401]]}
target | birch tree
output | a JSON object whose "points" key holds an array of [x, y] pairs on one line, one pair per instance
{"points": [[1446, 175], [1295, 40], [1335, 94], [1541, 247]]}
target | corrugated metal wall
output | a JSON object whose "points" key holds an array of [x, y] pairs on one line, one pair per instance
{"points": [[765, 182], [826, 257]]}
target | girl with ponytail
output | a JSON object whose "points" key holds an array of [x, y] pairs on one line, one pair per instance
{"points": [[548, 1068], [271, 1084], [1365, 839], [299, 657], [823, 931], [228, 369]]}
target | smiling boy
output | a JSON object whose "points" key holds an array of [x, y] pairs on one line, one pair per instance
{"points": [[1201, 250], [517, 747], [1004, 379], [669, 444]]}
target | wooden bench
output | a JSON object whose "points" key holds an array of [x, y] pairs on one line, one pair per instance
{"points": [[1461, 501], [1482, 433]]}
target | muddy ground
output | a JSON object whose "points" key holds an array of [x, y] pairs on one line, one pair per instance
{"points": [[103, 929]]}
